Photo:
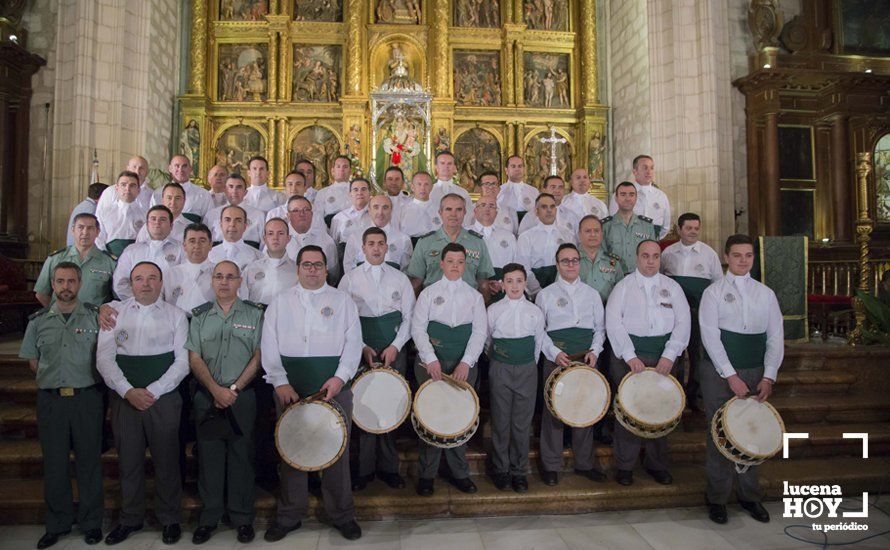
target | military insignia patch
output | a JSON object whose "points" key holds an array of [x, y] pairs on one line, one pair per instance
{"points": [[327, 311], [260, 275], [729, 298], [562, 302], [699, 268], [504, 243], [138, 224], [348, 223], [177, 292], [439, 300], [397, 295], [526, 201], [507, 219], [437, 221], [391, 248], [170, 258], [665, 293], [331, 200], [121, 336], [656, 206]]}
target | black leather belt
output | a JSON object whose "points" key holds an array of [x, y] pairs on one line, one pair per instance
{"points": [[68, 392]]}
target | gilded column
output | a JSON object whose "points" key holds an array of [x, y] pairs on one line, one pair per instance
{"points": [[520, 135], [518, 54], [440, 49], [272, 86], [283, 161], [198, 47], [274, 169], [278, 25], [587, 26], [354, 41], [517, 11], [507, 70]]}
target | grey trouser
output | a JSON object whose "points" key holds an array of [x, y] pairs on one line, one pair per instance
{"points": [[626, 447], [336, 484], [583, 446], [429, 455], [158, 429], [721, 471], [513, 391], [378, 452]]}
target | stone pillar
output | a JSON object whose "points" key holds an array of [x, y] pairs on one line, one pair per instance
{"points": [[840, 178], [589, 90], [771, 184]]}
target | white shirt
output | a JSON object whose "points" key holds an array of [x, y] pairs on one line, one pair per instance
{"points": [[197, 199], [506, 220], [584, 205], [317, 238], [349, 221], [239, 252], [268, 277], [419, 218], [144, 330], [109, 197], [281, 212], [518, 196], [452, 303], [310, 194], [311, 323], [568, 305], [86, 206], [743, 305], [647, 306], [442, 188], [508, 318], [218, 199], [189, 285], [381, 289], [399, 248], [398, 202], [264, 198], [177, 232], [565, 220], [332, 199], [501, 244], [255, 220], [652, 203], [165, 254], [120, 220], [697, 260], [537, 248]]}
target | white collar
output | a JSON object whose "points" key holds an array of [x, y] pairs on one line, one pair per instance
{"points": [[567, 285], [305, 291], [647, 282], [275, 261], [258, 188], [418, 201], [452, 285], [227, 245]]}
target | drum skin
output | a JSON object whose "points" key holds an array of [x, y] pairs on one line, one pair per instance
{"points": [[381, 400], [648, 404], [311, 435], [577, 395], [747, 431], [443, 415]]}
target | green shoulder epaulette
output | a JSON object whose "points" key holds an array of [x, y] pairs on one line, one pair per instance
{"points": [[655, 185], [473, 233], [606, 219], [38, 313], [644, 218], [426, 235], [109, 254], [203, 308], [59, 251], [261, 307], [91, 307]]}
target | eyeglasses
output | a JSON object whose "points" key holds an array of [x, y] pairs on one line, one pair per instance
{"points": [[219, 277], [490, 184], [300, 211], [308, 266], [570, 261]]}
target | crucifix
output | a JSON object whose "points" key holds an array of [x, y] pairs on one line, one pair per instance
{"points": [[553, 140]]}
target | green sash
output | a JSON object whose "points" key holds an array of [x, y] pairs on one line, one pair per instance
{"points": [[546, 275], [308, 374], [117, 246], [649, 346], [142, 370], [745, 351], [414, 241], [379, 332], [329, 218], [450, 343], [393, 265], [521, 214], [194, 218], [657, 231], [693, 288], [253, 244], [572, 340], [513, 351]]}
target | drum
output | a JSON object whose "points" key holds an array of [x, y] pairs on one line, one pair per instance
{"points": [[311, 435], [445, 413], [747, 432], [649, 404], [577, 395], [381, 400]]}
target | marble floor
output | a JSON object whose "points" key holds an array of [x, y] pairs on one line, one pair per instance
{"points": [[676, 528]]}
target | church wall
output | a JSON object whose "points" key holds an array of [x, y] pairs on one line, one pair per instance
{"points": [[740, 47]]}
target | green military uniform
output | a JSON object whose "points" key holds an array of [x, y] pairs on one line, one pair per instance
{"points": [[96, 271], [69, 412], [428, 253], [226, 342], [622, 239], [602, 273]]}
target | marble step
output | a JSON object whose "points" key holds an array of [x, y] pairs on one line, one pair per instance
{"points": [[21, 501]]}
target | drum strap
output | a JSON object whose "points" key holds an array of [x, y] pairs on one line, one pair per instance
{"points": [[572, 340], [379, 332], [513, 351], [449, 343], [545, 275], [308, 374], [693, 288], [117, 246], [745, 351], [649, 346], [142, 370]]}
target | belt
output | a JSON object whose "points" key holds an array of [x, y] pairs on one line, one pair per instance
{"points": [[68, 392]]}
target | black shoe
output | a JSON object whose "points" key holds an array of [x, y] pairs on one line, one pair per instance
{"points": [[592, 474], [120, 533], [49, 539], [624, 477], [246, 534], [203, 533], [464, 485], [549, 478], [350, 530], [661, 476], [171, 534], [278, 531], [717, 513], [393, 481], [92, 536], [425, 486], [501, 481], [520, 484], [360, 483], [756, 510]]}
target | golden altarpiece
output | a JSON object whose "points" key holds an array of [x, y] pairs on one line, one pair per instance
{"points": [[386, 81]]}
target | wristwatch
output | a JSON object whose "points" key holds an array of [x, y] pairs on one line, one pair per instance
{"points": [[234, 388]]}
